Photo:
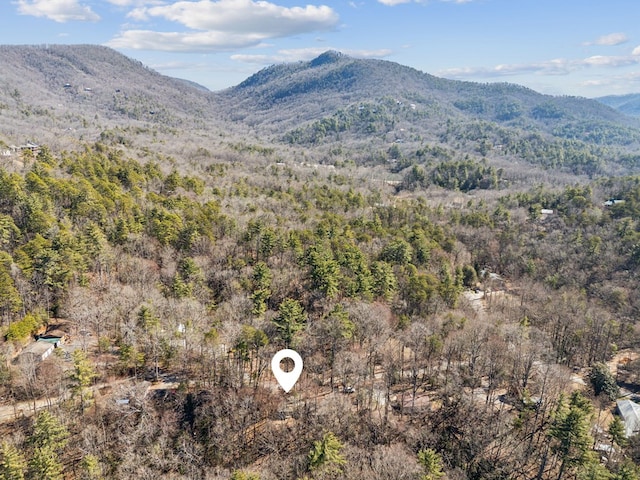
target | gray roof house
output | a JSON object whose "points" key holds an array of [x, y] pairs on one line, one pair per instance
{"points": [[36, 351], [630, 414]]}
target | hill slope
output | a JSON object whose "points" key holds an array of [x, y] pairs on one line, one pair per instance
{"points": [[627, 104], [80, 90]]}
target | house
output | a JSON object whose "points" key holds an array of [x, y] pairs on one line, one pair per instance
{"points": [[31, 146], [35, 149], [630, 414], [36, 352]]}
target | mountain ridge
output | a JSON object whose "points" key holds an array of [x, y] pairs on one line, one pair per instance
{"points": [[98, 68], [64, 95], [628, 104], [353, 79]]}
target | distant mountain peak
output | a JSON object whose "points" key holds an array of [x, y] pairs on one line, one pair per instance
{"points": [[330, 56]]}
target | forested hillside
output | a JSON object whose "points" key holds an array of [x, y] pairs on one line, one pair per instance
{"points": [[65, 95], [465, 296], [628, 104], [198, 279]]}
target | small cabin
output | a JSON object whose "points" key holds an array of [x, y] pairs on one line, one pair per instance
{"points": [[33, 147]]}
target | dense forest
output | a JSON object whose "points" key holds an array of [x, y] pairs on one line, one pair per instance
{"points": [[441, 338]]}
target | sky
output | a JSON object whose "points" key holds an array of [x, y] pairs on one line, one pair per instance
{"points": [[587, 48]]}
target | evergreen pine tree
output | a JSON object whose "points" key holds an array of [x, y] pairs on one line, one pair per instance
{"points": [[12, 463]]}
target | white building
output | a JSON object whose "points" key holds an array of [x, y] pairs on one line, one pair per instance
{"points": [[36, 351], [630, 413]]}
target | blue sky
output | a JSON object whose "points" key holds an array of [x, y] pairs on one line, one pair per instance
{"points": [[564, 47]]}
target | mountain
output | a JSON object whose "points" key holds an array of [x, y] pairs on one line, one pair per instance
{"points": [[362, 107], [289, 93], [627, 104], [335, 106], [49, 93]]}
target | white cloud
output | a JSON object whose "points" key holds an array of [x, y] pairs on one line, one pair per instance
{"points": [[139, 14], [610, 61], [223, 24], [123, 3], [636, 51], [597, 83], [298, 54], [392, 3], [176, 66], [183, 42], [610, 40], [247, 16], [615, 84], [136, 3], [57, 10], [560, 66]]}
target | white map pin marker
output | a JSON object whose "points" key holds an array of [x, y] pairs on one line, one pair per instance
{"points": [[286, 379]]}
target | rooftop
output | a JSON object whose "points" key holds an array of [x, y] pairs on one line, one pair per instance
{"points": [[630, 413], [37, 347]]}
